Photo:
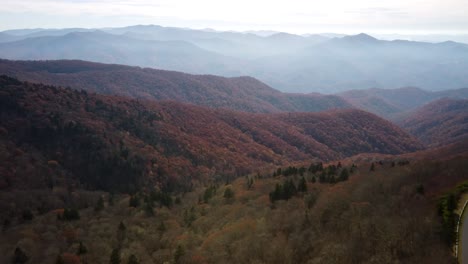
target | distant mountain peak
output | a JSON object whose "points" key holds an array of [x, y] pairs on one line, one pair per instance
{"points": [[284, 35], [362, 37]]}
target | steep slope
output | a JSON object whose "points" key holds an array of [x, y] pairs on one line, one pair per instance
{"points": [[240, 93], [118, 143], [438, 123]]}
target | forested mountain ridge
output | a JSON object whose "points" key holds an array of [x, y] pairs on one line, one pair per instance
{"points": [[116, 143], [396, 103], [438, 123], [238, 93]]}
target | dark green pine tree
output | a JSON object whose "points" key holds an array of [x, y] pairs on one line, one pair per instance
{"points": [[121, 233], [111, 199], [134, 201], [277, 193], [82, 249], [179, 253], [19, 256], [344, 175], [149, 209], [59, 260], [133, 260], [28, 215], [302, 187], [99, 204], [115, 256], [289, 189], [228, 193], [322, 177]]}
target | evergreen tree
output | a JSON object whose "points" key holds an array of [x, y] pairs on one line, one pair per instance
{"points": [[189, 216], [28, 215], [134, 201], [277, 193], [320, 167], [115, 256], [228, 193], [250, 182], [122, 227], [344, 175], [278, 172], [179, 253], [111, 199], [162, 227], [209, 193], [420, 189], [19, 256], [59, 260], [331, 170], [70, 214], [322, 177], [133, 260], [121, 232], [82, 249], [99, 204], [289, 189], [149, 209], [302, 187], [165, 199], [302, 170]]}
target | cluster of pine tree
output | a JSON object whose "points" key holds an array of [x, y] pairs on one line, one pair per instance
{"points": [[288, 189], [69, 214], [330, 174]]}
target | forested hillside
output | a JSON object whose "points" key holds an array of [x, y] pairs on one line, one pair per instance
{"points": [[109, 142], [238, 93], [438, 123]]}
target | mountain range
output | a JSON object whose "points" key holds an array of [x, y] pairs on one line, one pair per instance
{"points": [[110, 142], [396, 103], [240, 148], [237, 93], [288, 62]]}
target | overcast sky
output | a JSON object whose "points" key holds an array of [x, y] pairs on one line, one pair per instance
{"points": [[296, 16]]}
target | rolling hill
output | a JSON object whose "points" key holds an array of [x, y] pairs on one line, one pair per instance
{"points": [[117, 143], [103, 47], [438, 123], [239, 93], [393, 103]]}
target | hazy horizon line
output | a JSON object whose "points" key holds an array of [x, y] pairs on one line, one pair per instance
{"points": [[244, 30]]}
